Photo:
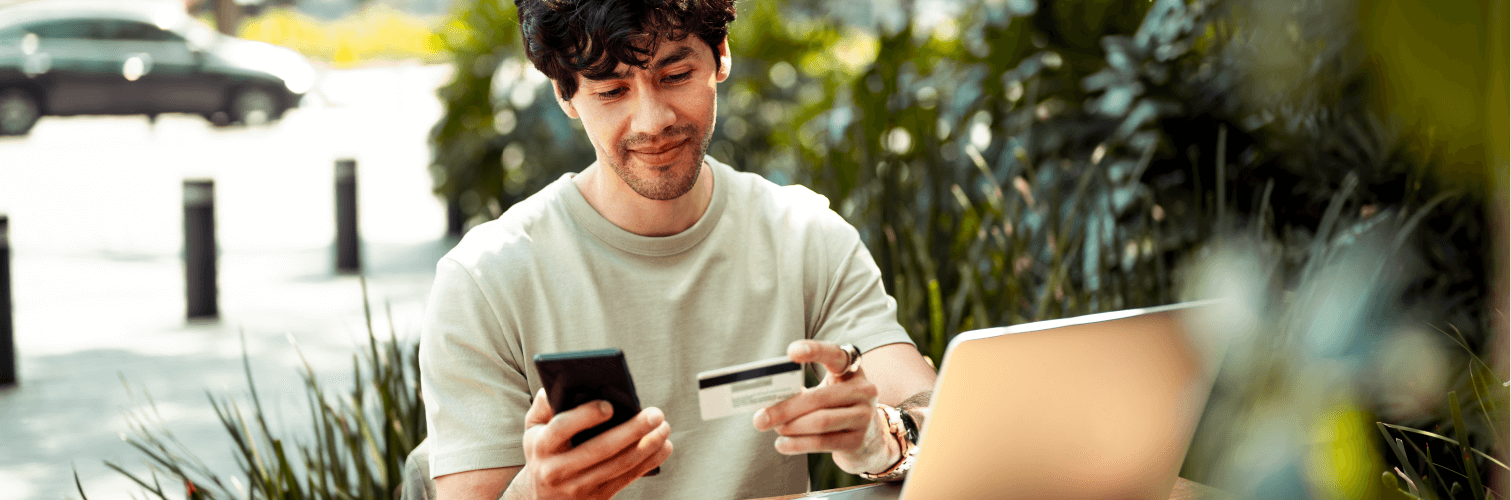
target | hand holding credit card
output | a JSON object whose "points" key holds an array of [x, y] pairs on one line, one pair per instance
{"points": [[748, 387]]}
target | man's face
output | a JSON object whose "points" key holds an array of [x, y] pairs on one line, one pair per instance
{"points": [[652, 125]]}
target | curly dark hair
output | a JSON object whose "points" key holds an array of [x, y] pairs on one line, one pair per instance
{"points": [[592, 37]]}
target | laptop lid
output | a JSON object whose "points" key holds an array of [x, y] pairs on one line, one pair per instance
{"points": [[1098, 406]]}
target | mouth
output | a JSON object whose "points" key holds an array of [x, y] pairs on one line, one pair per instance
{"points": [[660, 155]]}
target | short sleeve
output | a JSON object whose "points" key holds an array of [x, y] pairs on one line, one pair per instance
{"points": [[855, 307], [475, 391]]}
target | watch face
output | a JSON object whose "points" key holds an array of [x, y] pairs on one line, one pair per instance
{"points": [[910, 428]]}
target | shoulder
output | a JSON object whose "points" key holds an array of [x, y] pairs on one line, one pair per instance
{"points": [[796, 220], [792, 207], [517, 234]]}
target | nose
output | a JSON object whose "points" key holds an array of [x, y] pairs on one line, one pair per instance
{"points": [[652, 113]]}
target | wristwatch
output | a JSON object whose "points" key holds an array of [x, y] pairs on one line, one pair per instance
{"points": [[905, 430]]}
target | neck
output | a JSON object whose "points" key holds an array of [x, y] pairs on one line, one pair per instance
{"points": [[612, 198]]}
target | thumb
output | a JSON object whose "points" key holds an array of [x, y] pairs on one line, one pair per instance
{"points": [[540, 411]]}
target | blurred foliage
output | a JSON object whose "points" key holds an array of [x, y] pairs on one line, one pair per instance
{"points": [[356, 451], [372, 33], [1024, 160]]}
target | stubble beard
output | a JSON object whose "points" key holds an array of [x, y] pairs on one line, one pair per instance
{"points": [[663, 189]]}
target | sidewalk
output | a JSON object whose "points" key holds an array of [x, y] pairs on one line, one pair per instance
{"points": [[96, 220]]}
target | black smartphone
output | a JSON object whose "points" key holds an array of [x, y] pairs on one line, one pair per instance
{"points": [[577, 377]]}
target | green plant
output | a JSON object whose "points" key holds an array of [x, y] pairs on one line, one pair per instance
{"points": [[358, 449]]}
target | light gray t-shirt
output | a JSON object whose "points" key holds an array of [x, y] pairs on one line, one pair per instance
{"points": [[764, 266]]}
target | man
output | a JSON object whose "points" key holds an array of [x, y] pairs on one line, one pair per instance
{"points": [[677, 259]]}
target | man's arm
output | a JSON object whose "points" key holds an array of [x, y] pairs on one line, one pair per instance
{"points": [[899, 372], [904, 380], [484, 484]]}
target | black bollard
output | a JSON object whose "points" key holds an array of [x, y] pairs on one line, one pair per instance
{"points": [[7, 326], [199, 248], [456, 221], [348, 259]]}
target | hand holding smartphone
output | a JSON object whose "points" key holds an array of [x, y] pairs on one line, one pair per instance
{"points": [[573, 378]]}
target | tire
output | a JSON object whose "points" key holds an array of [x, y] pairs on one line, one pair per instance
{"points": [[254, 105], [218, 118], [19, 110]]}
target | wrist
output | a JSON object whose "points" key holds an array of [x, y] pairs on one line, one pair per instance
{"points": [[890, 451], [903, 435]]}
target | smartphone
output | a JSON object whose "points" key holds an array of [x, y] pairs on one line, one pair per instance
{"points": [[577, 377]]}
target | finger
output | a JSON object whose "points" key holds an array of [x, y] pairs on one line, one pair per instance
{"points": [[834, 441], [834, 359], [619, 483], [540, 411], [856, 417], [851, 392], [564, 425], [620, 437], [628, 460]]}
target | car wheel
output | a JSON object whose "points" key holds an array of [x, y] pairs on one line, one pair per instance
{"points": [[254, 105], [18, 111], [218, 118]]}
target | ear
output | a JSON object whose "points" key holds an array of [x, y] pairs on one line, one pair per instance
{"points": [[566, 106], [722, 52]]}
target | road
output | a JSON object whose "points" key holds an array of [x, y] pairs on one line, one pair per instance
{"points": [[96, 216]]}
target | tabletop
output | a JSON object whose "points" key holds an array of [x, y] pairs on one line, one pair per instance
{"points": [[1184, 490]]}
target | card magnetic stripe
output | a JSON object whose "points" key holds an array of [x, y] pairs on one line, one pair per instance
{"points": [[748, 374]]}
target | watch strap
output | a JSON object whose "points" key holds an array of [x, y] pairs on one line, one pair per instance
{"points": [[897, 424]]}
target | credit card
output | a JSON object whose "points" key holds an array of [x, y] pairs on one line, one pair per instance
{"points": [[748, 387]]}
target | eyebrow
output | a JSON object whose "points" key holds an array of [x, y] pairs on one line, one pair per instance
{"points": [[676, 56]]}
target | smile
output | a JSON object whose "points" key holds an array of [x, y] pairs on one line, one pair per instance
{"points": [[662, 156]]}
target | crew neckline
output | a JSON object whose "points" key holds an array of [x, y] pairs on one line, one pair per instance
{"points": [[650, 246]]}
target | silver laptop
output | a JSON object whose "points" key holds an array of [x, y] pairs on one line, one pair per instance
{"points": [[1098, 406]]}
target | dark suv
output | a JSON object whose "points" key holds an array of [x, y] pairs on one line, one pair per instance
{"points": [[60, 57]]}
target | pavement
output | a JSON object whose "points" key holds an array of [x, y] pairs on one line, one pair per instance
{"points": [[96, 217]]}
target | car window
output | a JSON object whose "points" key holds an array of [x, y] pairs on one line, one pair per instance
{"points": [[137, 31], [72, 28]]}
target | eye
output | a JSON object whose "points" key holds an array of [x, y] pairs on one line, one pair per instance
{"points": [[612, 93], [680, 77]]}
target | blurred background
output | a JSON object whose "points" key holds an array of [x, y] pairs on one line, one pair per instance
{"points": [[1337, 168]]}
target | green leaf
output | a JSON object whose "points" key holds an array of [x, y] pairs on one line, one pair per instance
{"points": [[1395, 447], [1463, 432]]}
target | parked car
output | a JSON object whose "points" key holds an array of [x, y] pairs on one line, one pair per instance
{"points": [[68, 57]]}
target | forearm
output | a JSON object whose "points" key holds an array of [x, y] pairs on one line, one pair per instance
{"points": [[516, 491], [482, 484]]}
